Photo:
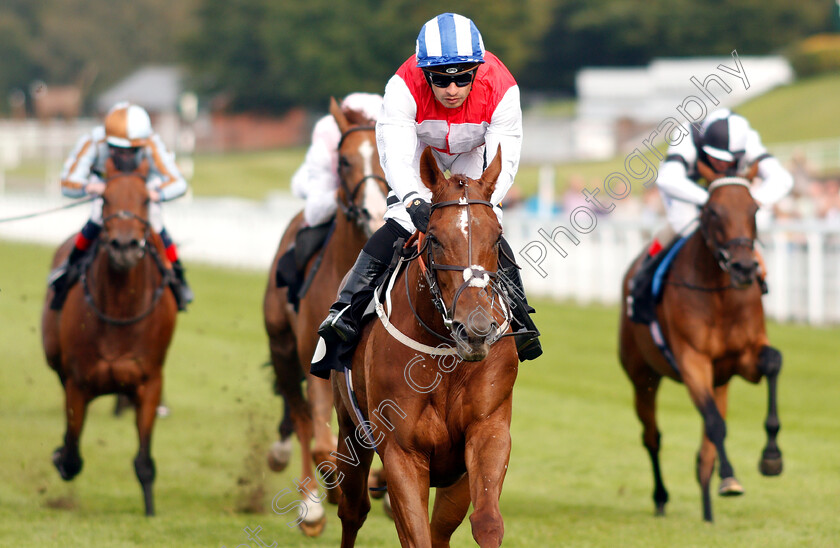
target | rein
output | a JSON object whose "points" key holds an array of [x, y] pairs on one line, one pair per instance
{"points": [[164, 279], [355, 213]]}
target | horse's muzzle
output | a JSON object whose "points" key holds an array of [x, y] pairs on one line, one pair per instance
{"points": [[125, 254], [473, 341], [743, 273]]}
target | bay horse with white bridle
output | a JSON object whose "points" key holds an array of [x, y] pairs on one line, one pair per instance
{"points": [[712, 321], [293, 335], [444, 425], [112, 335]]}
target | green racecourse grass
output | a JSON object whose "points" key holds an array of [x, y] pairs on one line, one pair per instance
{"points": [[578, 474]]}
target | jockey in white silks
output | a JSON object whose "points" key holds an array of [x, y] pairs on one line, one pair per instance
{"points": [[728, 145], [127, 139], [317, 180]]}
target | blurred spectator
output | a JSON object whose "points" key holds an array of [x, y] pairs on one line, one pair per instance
{"points": [[801, 171], [829, 205]]}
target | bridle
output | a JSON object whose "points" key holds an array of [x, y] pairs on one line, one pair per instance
{"points": [[472, 276], [721, 251], [355, 213], [144, 247]]}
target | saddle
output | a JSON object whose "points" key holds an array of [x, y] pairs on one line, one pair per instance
{"points": [[291, 268]]}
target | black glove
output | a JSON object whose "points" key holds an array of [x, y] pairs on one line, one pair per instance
{"points": [[419, 211]]}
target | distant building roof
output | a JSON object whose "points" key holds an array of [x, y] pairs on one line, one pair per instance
{"points": [[155, 88]]}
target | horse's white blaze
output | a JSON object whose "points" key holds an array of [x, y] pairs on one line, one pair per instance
{"points": [[476, 282], [464, 223]]}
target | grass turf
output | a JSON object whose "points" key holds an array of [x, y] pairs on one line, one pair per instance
{"points": [[578, 474]]}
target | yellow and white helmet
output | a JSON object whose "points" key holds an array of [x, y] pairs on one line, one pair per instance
{"points": [[127, 125]]}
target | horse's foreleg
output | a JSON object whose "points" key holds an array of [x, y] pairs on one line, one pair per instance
{"points": [[697, 374], [146, 401], [407, 475], [353, 466], [66, 458], [320, 398], [451, 505], [487, 452], [645, 400], [770, 365]]}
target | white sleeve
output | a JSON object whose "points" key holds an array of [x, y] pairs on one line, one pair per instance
{"points": [[319, 171], [77, 167], [674, 182], [776, 182], [171, 184], [505, 129], [396, 139]]}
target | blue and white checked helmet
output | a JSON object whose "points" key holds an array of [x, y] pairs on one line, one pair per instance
{"points": [[448, 39]]}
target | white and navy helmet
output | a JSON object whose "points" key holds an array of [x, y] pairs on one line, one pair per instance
{"points": [[725, 135], [449, 39]]}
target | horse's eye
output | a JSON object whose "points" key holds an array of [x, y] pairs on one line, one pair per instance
{"points": [[343, 163]]}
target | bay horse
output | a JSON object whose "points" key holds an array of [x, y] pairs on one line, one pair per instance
{"points": [[449, 431], [293, 337], [114, 330], [712, 320]]}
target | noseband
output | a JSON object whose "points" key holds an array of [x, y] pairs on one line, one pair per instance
{"points": [[358, 214]]}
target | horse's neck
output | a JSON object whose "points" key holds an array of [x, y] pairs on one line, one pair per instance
{"points": [[116, 292], [347, 240]]}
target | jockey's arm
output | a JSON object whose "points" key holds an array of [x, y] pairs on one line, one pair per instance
{"points": [[506, 130], [164, 175], [776, 181], [396, 139], [76, 172], [673, 180]]}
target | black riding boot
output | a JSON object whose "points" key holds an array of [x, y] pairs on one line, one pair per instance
{"points": [[641, 306], [339, 324], [183, 294], [59, 278], [526, 333]]}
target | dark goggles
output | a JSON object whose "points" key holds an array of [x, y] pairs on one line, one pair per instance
{"points": [[442, 80]]}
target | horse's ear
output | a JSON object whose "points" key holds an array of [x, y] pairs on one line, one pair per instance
{"points": [[707, 172], [339, 116], [491, 174], [430, 173]]}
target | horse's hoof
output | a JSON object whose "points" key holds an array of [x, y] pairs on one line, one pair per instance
{"points": [[730, 487], [386, 505], [279, 455], [67, 469], [660, 510], [313, 528], [770, 467]]}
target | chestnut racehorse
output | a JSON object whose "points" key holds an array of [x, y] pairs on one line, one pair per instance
{"points": [[712, 320], [115, 327], [450, 431], [293, 336]]}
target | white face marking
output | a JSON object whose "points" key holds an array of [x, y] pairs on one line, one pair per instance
{"points": [[464, 223], [366, 150]]}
